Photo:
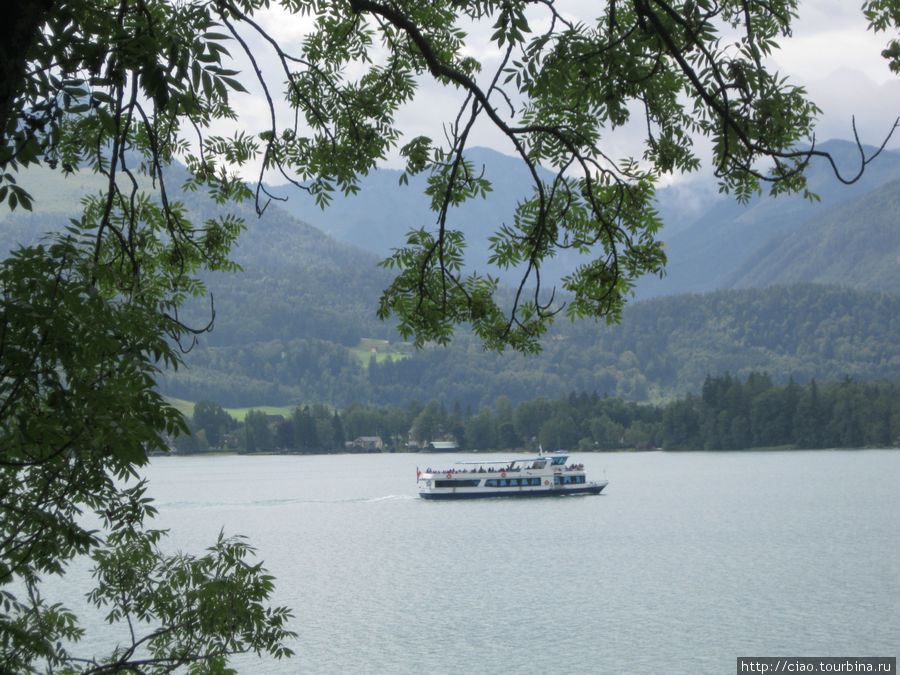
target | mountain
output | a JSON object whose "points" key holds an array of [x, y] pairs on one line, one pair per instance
{"points": [[707, 235], [297, 282], [378, 217], [291, 327], [856, 243], [704, 254], [381, 214], [711, 240]]}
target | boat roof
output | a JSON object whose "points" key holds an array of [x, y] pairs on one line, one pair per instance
{"points": [[529, 458]]}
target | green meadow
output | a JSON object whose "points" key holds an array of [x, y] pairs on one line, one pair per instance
{"points": [[186, 408]]}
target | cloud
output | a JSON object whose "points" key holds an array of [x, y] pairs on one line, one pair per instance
{"points": [[834, 55], [847, 94]]}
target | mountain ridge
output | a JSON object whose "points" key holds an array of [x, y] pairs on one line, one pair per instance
{"points": [[707, 235], [286, 329]]}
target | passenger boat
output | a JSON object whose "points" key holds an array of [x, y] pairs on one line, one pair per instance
{"points": [[535, 476]]}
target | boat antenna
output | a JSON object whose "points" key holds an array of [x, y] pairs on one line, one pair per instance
{"points": [[540, 450]]}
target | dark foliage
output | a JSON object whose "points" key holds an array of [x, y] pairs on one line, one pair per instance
{"points": [[730, 413]]}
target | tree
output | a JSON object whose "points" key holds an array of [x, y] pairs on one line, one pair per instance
{"points": [[503, 410], [284, 435], [428, 424], [810, 419], [337, 430], [481, 431], [325, 434], [397, 425], [361, 421], [507, 437], [305, 429], [88, 318], [124, 88], [558, 433], [558, 88], [681, 425], [80, 416], [210, 417], [257, 433], [607, 434], [529, 417]]}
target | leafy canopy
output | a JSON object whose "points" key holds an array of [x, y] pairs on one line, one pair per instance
{"points": [[684, 70], [123, 88]]}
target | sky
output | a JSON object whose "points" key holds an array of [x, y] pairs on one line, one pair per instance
{"points": [[831, 53], [839, 61]]}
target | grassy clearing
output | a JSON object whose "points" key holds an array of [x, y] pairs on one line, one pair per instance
{"points": [[186, 408], [380, 349], [240, 413]]}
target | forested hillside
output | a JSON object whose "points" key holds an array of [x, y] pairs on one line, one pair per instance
{"points": [[856, 243], [663, 348], [296, 281]]}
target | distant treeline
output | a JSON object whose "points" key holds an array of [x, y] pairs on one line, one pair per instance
{"points": [[729, 414]]}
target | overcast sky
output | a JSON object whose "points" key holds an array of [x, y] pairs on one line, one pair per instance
{"points": [[839, 62], [831, 53]]}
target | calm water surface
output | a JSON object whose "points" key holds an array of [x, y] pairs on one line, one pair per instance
{"points": [[685, 562]]}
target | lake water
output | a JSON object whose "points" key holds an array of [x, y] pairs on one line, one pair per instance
{"points": [[685, 562]]}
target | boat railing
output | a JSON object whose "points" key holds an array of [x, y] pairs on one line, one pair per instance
{"points": [[479, 470], [503, 469]]}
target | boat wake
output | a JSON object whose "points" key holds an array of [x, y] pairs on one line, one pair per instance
{"points": [[264, 503], [389, 498]]}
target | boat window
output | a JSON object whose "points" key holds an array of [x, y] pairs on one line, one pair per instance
{"points": [[456, 483], [559, 461], [539, 464], [508, 482]]}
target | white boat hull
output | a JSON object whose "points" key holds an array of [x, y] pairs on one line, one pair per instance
{"points": [[475, 493]]}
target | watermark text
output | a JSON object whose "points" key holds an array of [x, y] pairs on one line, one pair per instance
{"points": [[805, 664]]}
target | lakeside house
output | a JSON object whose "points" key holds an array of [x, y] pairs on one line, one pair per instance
{"points": [[365, 444], [442, 446]]}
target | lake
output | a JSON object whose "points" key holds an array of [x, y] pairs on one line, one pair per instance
{"points": [[685, 562]]}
